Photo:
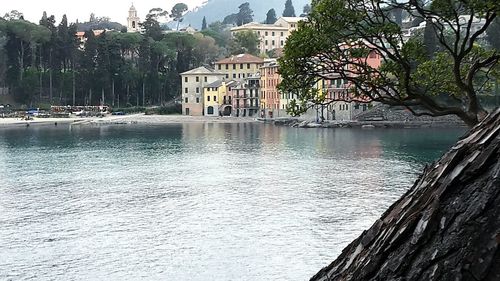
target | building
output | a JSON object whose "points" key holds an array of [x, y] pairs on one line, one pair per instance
{"points": [[133, 20], [80, 35], [239, 66], [245, 96], [217, 98], [193, 83], [269, 96], [271, 36]]}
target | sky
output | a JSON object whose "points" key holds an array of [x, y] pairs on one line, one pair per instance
{"points": [[117, 10]]}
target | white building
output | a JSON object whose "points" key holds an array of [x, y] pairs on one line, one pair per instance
{"points": [[193, 83], [133, 20], [271, 36]]}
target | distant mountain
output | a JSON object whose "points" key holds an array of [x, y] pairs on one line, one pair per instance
{"points": [[215, 10]]}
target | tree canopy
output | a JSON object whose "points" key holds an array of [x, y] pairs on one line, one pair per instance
{"points": [[289, 9], [271, 17], [177, 12], [340, 38]]}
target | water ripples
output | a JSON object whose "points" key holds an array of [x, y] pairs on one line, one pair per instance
{"points": [[195, 201]]}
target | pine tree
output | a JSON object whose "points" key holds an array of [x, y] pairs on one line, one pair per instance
{"points": [[289, 9], [271, 17], [204, 24], [245, 15]]}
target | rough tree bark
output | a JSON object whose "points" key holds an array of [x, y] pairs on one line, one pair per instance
{"points": [[446, 227]]}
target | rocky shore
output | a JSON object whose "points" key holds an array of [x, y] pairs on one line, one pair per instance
{"points": [[297, 123]]}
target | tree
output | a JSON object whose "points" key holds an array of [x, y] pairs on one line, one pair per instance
{"points": [[177, 13], [344, 47], [306, 10], [231, 19], [244, 42], [444, 228], [152, 26], [204, 24], [271, 17], [289, 9], [245, 15]]}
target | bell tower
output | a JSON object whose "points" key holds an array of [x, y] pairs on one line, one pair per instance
{"points": [[133, 20]]}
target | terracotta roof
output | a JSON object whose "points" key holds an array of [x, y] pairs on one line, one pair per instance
{"points": [[242, 58]]}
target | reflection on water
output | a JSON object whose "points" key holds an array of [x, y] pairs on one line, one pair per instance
{"points": [[196, 201]]}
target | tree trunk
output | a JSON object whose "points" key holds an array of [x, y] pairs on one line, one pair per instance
{"points": [[50, 76], [446, 227]]}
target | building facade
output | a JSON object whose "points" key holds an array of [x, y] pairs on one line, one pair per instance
{"points": [[133, 20], [269, 96], [239, 66], [218, 98], [245, 95], [271, 36], [193, 84]]}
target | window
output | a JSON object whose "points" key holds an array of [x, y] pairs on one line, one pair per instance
{"points": [[186, 90], [220, 66], [197, 79], [215, 98], [281, 34], [282, 43], [346, 107], [248, 66], [272, 42], [234, 66], [266, 33], [197, 90], [186, 100], [208, 98], [272, 34], [186, 79], [227, 66], [187, 111], [267, 43], [197, 100], [227, 76], [241, 66], [210, 110], [205, 79], [258, 32], [234, 75]]}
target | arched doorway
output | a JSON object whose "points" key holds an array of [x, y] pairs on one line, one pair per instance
{"points": [[227, 110], [210, 110]]}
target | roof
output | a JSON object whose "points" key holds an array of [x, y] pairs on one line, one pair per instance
{"points": [[201, 70], [241, 58], [293, 19], [215, 84]]}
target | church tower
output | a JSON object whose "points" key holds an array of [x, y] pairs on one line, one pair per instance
{"points": [[133, 20]]}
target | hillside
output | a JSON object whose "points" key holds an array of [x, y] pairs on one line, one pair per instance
{"points": [[215, 10]]}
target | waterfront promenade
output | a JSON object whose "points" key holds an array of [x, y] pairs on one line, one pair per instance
{"points": [[123, 119]]}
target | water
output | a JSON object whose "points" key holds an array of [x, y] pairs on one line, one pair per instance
{"points": [[196, 201]]}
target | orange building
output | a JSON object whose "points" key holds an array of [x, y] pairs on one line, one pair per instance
{"points": [[270, 97]]}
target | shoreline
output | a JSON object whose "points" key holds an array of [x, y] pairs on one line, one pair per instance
{"points": [[140, 119]]}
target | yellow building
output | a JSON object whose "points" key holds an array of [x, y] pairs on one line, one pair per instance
{"points": [[239, 66], [218, 98]]}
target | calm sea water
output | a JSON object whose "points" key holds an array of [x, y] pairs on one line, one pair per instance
{"points": [[196, 201]]}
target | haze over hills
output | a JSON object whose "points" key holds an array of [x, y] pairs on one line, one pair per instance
{"points": [[215, 10]]}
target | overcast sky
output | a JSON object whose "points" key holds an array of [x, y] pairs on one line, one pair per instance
{"points": [[117, 10]]}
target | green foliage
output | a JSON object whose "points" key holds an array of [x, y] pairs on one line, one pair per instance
{"points": [[177, 12], [46, 63], [204, 24], [341, 35], [244, 42], [245, 14], [271, 17], [174, 109], [289, 9]]}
